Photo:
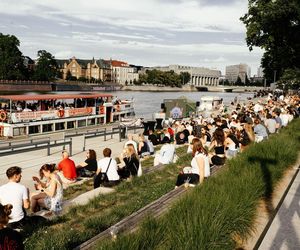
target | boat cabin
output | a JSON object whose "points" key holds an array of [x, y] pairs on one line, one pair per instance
{"points": [[37, 114]]}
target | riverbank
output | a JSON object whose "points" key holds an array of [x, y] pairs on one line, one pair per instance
{"points": [[80, 86], [190, 88]]}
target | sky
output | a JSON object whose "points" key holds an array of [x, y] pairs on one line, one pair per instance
{"points": [[203, 33]]}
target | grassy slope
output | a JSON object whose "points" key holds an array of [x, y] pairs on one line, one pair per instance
{"points": [[213, 215], [83, 222]]}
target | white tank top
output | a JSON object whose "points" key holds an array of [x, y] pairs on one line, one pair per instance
{"points": [[194, 165]]}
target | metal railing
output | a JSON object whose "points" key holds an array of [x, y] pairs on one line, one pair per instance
{"points": [[31, 145]]}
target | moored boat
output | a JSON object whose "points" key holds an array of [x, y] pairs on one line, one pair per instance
{"points": [[38, 114]]}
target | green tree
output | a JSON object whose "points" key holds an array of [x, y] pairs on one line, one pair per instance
{"points": [[185, 76], [274, 26], [238, 81], [46, 68], [290, 79], [11, 58], [69, 76]]}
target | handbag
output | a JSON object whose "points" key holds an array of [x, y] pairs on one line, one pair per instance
{"points": [[139, 169], [103, 176]]}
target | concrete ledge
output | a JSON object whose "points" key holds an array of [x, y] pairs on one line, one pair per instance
{"points": [[84, 198]]}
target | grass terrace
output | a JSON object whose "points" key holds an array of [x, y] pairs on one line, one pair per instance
{"points": [[220, 214], [83, 222]]}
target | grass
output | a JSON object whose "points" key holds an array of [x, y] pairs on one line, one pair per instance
{"points": [[83, 222], [220, 214], [74, 191]]}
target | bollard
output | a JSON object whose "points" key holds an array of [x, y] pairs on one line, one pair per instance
{"points": [[104, 134], [70, 146], [112, 133], [120, 139], [48, 149], [84, 142]]}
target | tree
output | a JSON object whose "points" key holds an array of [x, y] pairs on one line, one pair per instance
{"points": [[238, 81], [274, 27], [46, 69], [11, 58], [290, 79], [185, 76]]}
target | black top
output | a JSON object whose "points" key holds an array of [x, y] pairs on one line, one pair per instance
{"points": [[92, 164], [131, 164], [144, 149], [219, 150], [153, 139], [10, 239]]}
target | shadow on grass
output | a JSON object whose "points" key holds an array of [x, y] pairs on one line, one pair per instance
{"points": [[267, 178]]}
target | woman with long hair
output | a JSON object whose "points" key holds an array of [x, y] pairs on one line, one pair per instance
{"points": [[89, 167], [218, 145], [9, 238], [51, 192], [199, 166], [246, 136], [131, 161]]}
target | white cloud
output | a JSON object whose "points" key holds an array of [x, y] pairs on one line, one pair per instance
{"points": [[152, 32]]}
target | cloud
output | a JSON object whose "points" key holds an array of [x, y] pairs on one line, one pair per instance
{"points": [[152, 32]]}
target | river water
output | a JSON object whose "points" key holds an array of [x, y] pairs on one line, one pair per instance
{"points": [[147, 103]]}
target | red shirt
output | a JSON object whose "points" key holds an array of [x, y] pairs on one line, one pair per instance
{"points": [[68, 168]]}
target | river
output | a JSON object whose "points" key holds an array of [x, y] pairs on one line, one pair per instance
{"points": [[147, 103]]}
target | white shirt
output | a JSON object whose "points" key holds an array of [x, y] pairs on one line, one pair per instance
{"points": [[166, 153], [14, 193], [195, 168], [112, 173]]}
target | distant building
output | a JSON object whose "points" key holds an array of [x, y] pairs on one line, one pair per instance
{"points": [[89, 69], [123, 73], [260, 72], [200, 76], [232, 72]]}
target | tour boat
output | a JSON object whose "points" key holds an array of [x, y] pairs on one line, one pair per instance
{"points": [[46, 113]]}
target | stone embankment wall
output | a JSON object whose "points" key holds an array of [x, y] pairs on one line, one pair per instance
{"points": [[188, 88], [157, 89], [25, 87]]}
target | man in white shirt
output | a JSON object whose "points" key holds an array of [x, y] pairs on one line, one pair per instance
{"points": [[15, 194], [109, 166], [166, 153]]}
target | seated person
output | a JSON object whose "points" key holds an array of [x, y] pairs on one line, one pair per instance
{"points": [[51, 191], [199, 166], [9, 238], [153, 138], [89, 167], [109, 166], [166, 153], [67, 169], [131, 161], [143, 149], [17, 195], [131, 141], [180, 138]]}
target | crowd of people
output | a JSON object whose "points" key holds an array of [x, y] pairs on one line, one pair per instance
{"points": [[211, 141]]}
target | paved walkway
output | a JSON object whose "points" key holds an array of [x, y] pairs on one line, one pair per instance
{"points": [[284, 232], [30, 162]]}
